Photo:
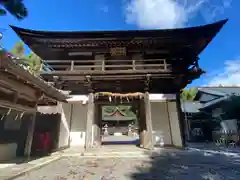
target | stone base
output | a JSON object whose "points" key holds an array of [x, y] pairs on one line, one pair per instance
{"points": [[130, 133], [117, 134]]}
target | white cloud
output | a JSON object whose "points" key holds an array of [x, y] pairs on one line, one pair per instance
{"points": [[171, 13], [229, 76]]}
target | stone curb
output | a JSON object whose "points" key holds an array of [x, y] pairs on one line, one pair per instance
{"points": [[35, 167], [219, 152], [105, 156]]}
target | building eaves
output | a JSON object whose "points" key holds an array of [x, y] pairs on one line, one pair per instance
{"points": [[226, 90], [214, 102], [213, 92], [11, 65], [191, 106]]}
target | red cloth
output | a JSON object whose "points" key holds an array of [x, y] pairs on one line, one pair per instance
{"points": [[44, 140]]}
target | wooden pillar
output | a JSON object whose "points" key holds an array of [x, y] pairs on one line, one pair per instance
{"points": [[142, 122], [90, 120], [97, 126], [31, 128], [148, 140], [181, 119]]}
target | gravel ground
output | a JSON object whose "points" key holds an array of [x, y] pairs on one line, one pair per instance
{"points": [[179, 165]]}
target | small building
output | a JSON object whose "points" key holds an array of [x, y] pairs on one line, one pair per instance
{"points": [[145, 69], [20, 93], [205, 110], [114, 117]]}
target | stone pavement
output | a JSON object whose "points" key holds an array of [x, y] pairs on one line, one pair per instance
{"points": [[178, 165], [127, 162], [18, 167]]}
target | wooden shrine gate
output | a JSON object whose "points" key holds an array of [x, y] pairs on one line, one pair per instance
{"points": [[93, 127], [146, 61]]}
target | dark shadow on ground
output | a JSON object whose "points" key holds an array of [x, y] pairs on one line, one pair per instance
{"points": [[188, 165]]}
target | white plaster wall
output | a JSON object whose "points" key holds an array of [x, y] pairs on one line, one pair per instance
{"points": [[78, 124], [64, 132], [161, 97], [160, 121], [8, 151], [174, 123]]}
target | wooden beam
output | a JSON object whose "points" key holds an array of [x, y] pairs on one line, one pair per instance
{"points": [[93, 61], [17, 86], [103, 67], [18, 107], [13, 96], [81, 78], [100, 72], [18, 71]]}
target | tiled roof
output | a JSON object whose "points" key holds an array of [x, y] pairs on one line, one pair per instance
{"points": [[15, 68], [190, 107], [223, 90]]}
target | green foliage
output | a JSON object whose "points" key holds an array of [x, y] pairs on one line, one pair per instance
{"points": [[18, 50], [14, 7], [189, 94], [32, 61]]}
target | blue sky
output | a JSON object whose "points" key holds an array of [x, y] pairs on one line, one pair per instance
{"points": [[221, 59]]}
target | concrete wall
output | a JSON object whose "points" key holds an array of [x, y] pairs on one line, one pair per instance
{"points": [[161, 124], [78, 124], [64, 131], [166, 123], [174, 123], [164, 118], [11, 135], [8, 151]]}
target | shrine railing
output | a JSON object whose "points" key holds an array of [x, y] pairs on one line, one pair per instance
{"points": [[109, 65]]}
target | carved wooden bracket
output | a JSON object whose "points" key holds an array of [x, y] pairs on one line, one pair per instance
{"points": [[89, 83], [147, 82]]}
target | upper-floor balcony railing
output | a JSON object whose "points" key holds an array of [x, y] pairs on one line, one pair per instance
{"points": [[110, 65]]}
